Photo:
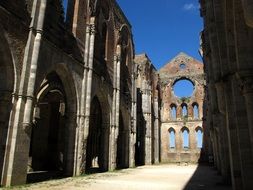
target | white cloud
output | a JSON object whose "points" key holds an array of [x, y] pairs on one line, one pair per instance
{"points": [[189, 7]]}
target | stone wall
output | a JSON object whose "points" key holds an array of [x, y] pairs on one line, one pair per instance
{"points": [[182, 67], [227, 53], [68, 95]]}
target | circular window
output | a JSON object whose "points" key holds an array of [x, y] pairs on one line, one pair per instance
{"points": [[183, 88], [182, 66]]}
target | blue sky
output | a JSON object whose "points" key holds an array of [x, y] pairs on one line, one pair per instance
{"points": [[163, 28]]}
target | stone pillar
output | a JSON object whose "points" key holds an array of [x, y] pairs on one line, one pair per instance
{"points": [[133, 127], [216, 160], [17, 149], [132, 139], [178, 139], [190, 111], [179, 112], [84, 116], [192, 143], [81, 117], [156, 132], [146, 107], [116, 109], [224, 91], [164, 143], [88, 89]]}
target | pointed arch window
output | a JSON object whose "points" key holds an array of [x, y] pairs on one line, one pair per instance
{"points": [[184, 110], [173, 112], [195, 111], [185, 138], [199, 137], [171, 138]]}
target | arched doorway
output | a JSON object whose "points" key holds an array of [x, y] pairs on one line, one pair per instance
{"points": [[50, 137], [95, 142], [122, 145]]}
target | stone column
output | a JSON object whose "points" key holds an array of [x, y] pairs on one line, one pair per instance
{"points": [[80, 130], [156, 132], [179, 112], [190, 111], [192, 143], [146, 107], [227, 107], [84, 117], [178, 139], [243, 135], [116, 109], [213, 136], [88, 88], [17, 149], [133, 120], [164, 143]]}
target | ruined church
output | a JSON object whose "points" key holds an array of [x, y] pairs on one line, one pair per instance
{"points": [[76, 99]]}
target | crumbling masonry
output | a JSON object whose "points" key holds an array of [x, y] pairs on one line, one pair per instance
{"points": [[68, 91]]}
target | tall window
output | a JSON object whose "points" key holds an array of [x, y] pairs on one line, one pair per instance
{"points": [[184, 110], [173, 112], [65, 7], [195, 111], [185, 136], [199, 137], [171, 138]]}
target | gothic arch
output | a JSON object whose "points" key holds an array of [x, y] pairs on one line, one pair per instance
{"points": [[185, 137], [7, 88], [199, 136], [68, 82], [100, 103], [52, 144], [171, 138]]}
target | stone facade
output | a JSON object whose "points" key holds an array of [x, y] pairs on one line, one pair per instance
{"points": [[148, 111], [68, 90], [227, 44], [182, 67]]}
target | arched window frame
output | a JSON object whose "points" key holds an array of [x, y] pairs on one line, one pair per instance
{"points": [[171, 132], [184, 113], [195, 108], [185, 142], [173, 111], [197, 129]]}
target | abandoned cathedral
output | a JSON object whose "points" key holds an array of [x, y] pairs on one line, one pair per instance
{"points": [[75, 99]]}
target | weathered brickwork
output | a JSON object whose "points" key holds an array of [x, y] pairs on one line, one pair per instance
{"points": [[148, 111], [182, 67]]}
